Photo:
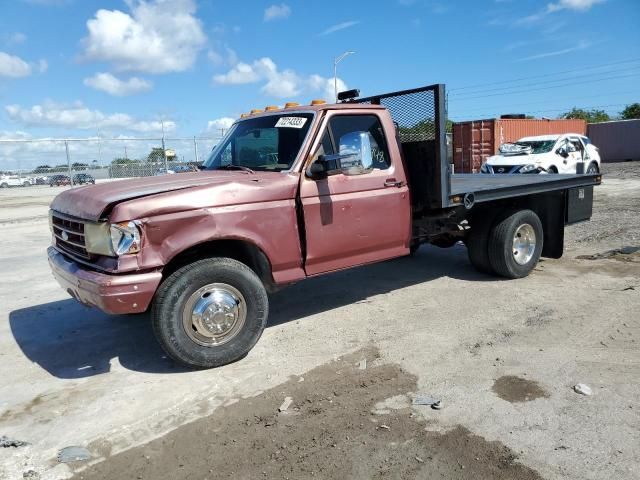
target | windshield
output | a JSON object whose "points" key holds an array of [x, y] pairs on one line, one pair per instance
{"points": [[538, 146], [270, 143]]}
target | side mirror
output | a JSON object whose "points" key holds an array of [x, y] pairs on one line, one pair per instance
{"points": [[326, 165]]}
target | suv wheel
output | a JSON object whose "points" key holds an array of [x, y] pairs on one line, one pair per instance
{"points": [[210, 312]]}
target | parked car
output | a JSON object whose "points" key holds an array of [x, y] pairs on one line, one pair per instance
{"points": [[349, 188], [7, 181], [567, 153], [184, 169], [59, 180], [83, 179], [41, 181], [164, 171]]}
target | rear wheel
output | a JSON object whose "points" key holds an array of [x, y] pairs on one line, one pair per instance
{"points": [[4, 185], [210, 313], [515, 244], [593, 168]]}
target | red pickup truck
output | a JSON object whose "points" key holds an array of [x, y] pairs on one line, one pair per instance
{"points": [[292, 193]]}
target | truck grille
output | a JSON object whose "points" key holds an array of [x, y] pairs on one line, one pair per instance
{"points": [[69, 236]]}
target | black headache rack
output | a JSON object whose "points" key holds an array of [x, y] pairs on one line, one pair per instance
{"points": [[420, 116]]}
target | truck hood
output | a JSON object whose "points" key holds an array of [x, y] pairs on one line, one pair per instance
{"points": [[516, 159], [131, 199]]}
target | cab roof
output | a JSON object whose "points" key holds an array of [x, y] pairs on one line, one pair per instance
{"points": [[317, 108]]}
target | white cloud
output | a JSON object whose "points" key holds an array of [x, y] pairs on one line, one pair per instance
{"points": [[278, 83], [114, 86], [77, 116], [13, 67], [580, 46], [576, 5], [158, 36], [340, 26], [276, 12], [573, 5], [17, 38], [325, 86], [218, 125]]}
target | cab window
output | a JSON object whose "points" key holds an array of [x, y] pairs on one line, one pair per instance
{"points": [[341, 131]]}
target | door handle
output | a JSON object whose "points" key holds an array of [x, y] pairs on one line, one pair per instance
{"points": [[392, 182]]}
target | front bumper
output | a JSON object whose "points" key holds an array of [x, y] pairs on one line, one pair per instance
{"points": [[115, 294]]}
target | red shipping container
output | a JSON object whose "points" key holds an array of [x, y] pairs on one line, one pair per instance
{"points": [[476, 140]]}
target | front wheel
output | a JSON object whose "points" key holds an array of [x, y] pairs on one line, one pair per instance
{"points": [[210, 312], [515, 244]]}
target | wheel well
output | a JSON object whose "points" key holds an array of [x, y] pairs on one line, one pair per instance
{"points": [[239, 250], [552, 167]]}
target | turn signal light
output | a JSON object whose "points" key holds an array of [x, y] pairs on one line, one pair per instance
{"points": [[256, 110], [291, 104], [318, 102], [271, 108]]}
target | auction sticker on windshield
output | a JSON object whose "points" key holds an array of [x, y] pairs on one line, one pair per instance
{"points": [[291, 122]]}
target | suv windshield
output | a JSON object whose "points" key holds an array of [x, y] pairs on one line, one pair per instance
{"points": [[269, 142], [538, 146]]}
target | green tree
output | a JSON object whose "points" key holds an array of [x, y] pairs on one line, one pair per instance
{"points": [[157, 155], [631, 111], [591, 116], [123, 161]]}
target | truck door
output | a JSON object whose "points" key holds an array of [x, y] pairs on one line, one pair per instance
{"points": [[362, 213]]}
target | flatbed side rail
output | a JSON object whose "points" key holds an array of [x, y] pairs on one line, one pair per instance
{"points": [[485, 188]]}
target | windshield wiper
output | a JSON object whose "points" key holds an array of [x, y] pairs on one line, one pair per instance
{"points": [[230, 166]]}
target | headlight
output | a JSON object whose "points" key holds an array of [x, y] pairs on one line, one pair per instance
{"points": [[528, 168], [125, 238]]}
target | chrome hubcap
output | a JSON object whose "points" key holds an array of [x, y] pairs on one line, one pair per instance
{"points": [[214, 314], [524, 244]]}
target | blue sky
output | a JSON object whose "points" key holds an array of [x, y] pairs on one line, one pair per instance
{"points": [[119, 67]]}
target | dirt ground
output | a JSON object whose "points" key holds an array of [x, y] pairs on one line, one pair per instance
{"points": [[352, 351]]}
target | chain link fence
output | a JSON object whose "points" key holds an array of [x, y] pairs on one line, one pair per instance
{"points": [[26, 162]]}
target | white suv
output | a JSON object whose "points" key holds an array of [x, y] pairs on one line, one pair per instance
{"points": [[545, 154], [14, 181]]}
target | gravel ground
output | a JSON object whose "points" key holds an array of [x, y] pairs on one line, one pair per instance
{"points": [[503, 356], [616, 217]]}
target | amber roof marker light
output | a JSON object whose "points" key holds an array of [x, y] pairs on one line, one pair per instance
{"points": [[291, 104], [318, 102]]}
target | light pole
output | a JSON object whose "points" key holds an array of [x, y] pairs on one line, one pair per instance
{"points": [[336, 61]]}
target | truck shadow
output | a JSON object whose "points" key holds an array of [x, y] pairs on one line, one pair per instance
{"points": [[327, 292], [72, 341]]}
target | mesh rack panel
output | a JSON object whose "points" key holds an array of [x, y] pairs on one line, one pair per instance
{"points": [[414, 111], [420, 115]]}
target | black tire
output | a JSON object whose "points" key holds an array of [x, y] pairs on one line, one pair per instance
{"points": [[593, 168], [478, 245], [4, 185], [501, 249], [173, 294], [552, 170]]}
